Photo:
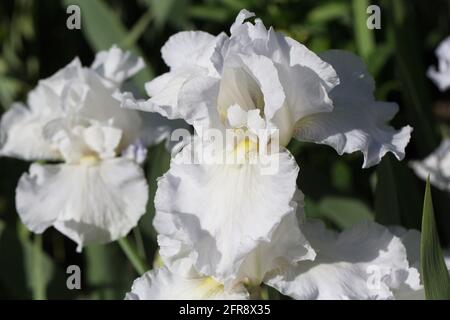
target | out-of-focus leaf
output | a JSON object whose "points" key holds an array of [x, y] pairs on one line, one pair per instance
{"points": [[378, 58], [434, 272], [108, 273], [38, 269], [12, 265], [209, 13], [161, 10], [344, 212], [172, 12], [17, 267], [403, 38], [137, 30], [327, 12], [9, 90], [157, 164], [364, 37], [341, 176], [397, 197]]}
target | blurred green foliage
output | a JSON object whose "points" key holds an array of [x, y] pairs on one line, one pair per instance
{"points": [[34, 43]]}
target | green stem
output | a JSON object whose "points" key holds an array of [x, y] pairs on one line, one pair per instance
{"points": [[132, 254], [38, 281], [138, 30], [139, 242], [364, 38]]}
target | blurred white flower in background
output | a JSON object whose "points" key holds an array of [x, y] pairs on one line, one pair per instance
{"points": [[97, 191], [436, 165], [441, 74]]}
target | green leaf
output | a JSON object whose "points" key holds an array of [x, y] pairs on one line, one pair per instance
{"points": [[397, 196], [327, 12], [18, 267], [364, 37], [109, 275], [403, 37], [209, 13], [173, 13], [434, 272], [157, 164], [378, 58], [344, 212], [37, 269], [341, 176], [138, 30]]}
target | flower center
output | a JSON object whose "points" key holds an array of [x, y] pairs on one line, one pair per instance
{"points": [[90, 160], [244, 151], [209, 287]]}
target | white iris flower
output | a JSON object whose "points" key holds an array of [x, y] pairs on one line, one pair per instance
{"points": [[323, 99], [441, 74], [97, 191], [436, 166], [224, 215]]}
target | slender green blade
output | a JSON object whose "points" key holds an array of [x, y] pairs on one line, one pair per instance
{"points": [[397, 196], [108, 273], [434, 273], [403, 36], [157, 164], [365, 39]]}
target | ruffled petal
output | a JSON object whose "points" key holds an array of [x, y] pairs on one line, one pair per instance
{"points": [[411, 288], [441, 75], [189, 48], [364, 262], [357, 122], [116, 65], [21, 134], [436, 165], [89, 203], [223, 212], [186, 93], [21, 127], [265, 74], [162, 284]]}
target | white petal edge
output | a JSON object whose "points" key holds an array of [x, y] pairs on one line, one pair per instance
{"points": [[441, 75], [116, 65], [163, 284], [189, 48], [363, 262], [436, 165], [357, 122], [88, 203]]}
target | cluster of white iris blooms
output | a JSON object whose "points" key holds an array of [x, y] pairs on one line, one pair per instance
{"points": [[224, 229]]}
